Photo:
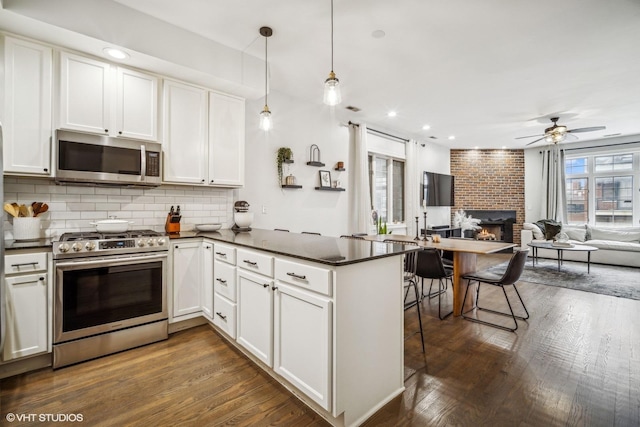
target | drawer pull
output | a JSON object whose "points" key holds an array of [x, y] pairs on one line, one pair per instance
{"points": [[221, 316], [22, 264], [224, 282], [274, 288], [221, 254], [251, 263], [297, 276]]}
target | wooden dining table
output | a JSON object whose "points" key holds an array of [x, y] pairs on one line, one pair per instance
{"points": [[465, 253]]}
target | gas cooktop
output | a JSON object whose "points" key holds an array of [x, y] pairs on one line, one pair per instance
{"points": [[86, 244]]}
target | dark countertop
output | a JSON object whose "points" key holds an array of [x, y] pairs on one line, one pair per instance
{"points": [[27, 244], [322, 249]]}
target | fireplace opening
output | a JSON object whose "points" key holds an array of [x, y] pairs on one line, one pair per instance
{"points": [[494, 225]]}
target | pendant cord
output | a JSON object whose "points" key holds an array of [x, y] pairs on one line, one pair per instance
{"points": [[331, 35], [266, 40]]}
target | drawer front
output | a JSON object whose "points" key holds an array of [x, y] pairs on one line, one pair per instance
{"points": [[256, 262], [224, 279], [224, 253], [25, 263], [224, 315], [305, 276]]}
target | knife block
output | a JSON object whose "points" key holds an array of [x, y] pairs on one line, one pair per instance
{"points": [[171, 227]]}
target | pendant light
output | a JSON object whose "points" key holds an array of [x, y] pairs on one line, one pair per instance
{"points": [[265, 114], [332, 84]]}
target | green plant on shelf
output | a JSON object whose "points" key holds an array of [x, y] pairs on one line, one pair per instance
{"points": [[382, 226], [284, 154]]}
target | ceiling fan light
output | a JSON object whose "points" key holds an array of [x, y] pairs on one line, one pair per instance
{"points": [[265, 119], [332, 94]]}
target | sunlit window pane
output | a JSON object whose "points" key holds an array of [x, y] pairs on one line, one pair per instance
{"points": [[577, 200], [614, 200]]}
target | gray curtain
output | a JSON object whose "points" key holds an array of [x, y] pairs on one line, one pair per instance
{"points": [[553, 201]]}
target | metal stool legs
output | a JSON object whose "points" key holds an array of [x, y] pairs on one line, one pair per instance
{"points": [[417, 304], [510, 314]]}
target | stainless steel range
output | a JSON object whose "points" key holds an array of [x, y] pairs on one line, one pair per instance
{"points": [[110, 293]]}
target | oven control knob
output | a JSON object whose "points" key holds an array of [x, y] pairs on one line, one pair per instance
{"points": [[140, 242], [77, 247], [90, 246], [151, 242], [63, 247], [161, 242]]}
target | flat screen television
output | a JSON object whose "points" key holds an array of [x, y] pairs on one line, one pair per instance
{"points": [[437, 189]]}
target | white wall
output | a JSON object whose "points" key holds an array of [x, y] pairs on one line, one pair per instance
{"points": [[434, 158], [296, 125]]}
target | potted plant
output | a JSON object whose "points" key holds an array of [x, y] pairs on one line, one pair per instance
{"points": [[283, 156]]}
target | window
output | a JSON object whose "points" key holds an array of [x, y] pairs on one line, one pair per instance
{"points": [[600, 189], [386, 183]]}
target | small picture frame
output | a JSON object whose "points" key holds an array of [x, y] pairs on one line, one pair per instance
{"points": [[325, 179]]}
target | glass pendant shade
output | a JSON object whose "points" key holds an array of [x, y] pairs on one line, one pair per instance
{"points": [[332, 94], [265, 119]]}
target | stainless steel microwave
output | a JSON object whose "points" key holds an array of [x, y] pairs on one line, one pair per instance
{"points": [[104, 160]]}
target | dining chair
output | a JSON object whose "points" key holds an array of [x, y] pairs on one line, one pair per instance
{"points": [[410, 280], [509, 278], [429, 265]]}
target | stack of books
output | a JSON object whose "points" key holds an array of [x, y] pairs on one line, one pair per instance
{"points": [[562, 244]]}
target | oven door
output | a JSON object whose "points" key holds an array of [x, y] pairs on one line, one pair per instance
{"points": [[93, 296]]}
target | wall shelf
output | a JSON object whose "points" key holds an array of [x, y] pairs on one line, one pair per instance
{"points": [[288, 161], [329, 189], [339, 169], [291, 186], [318, 164]]}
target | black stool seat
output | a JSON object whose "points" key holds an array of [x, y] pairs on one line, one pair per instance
{"points": [[509, 278]]}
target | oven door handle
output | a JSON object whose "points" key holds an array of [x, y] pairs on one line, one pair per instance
{"points": [[110, 261]]}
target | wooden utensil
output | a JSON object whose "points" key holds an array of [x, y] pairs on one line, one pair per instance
{"points": [[8, 207], [23, 210], [30, 211], [36, 208], [43, 209]]}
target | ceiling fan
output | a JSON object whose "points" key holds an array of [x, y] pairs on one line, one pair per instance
{"points": [[557, 133]]}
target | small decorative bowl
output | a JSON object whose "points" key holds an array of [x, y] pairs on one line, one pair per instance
{"points": [[208, 227]]}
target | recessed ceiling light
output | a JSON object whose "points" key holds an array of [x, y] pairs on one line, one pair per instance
{"points": [[451, 137], [392, 114], [115, 53], [378, 34], [426, 127]]}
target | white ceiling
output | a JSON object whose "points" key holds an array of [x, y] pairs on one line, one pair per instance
{"points": [[485, 71]]}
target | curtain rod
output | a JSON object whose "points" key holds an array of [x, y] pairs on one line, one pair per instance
{"points": [[381, 133], [600, 146]]}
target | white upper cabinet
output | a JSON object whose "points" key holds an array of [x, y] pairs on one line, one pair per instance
{"points": [[137, 105], [84, 94], [226, 140], [185, 133], [27, 107], [94, 97], [203, 136]]}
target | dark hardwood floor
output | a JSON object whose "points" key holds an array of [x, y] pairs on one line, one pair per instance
{"points": [[575, 362]]}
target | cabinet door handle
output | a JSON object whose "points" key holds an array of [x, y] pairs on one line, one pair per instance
{"points": [[297, 276], [221, 254], [208, 247], [22, 264], [265, 285], [224, 282], [221, 316], [251, 263], [106, 131], [274, 288]]}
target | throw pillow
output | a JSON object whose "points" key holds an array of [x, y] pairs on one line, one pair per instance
{"points": [[575, 232], [535, 230], [551, 230]]}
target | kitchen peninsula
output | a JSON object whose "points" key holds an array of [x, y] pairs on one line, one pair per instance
{"points": [[322, 315]]}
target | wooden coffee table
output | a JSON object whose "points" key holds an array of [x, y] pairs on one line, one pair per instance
{"points": [[575, 248]]}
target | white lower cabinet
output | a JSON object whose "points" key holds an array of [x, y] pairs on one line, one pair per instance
{"points": [[224, 286], [207, 279], [27, 308], [187, 282], [302, 341], [255, 314]]}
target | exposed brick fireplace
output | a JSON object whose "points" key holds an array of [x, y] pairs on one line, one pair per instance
{"points": [[490, 180]]}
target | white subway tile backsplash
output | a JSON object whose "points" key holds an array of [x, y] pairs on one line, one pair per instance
{"points": [[73, 208]]}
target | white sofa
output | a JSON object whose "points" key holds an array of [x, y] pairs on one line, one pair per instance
{"points": [[616, 246]]}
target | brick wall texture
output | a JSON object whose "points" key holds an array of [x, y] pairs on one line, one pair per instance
{"points": [[490, 179]]}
